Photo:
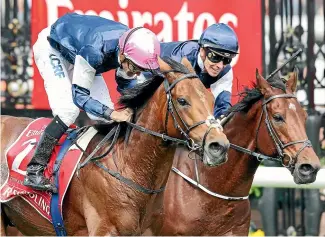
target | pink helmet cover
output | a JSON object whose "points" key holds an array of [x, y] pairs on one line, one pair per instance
{"points": [[142, 47]]}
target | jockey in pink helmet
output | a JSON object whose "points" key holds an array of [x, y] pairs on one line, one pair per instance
{"points": [[71, 55], [140, 46]]}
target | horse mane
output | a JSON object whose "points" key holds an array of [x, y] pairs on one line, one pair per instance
{"points": [[176, 66], [138, 95], [251, 96]]}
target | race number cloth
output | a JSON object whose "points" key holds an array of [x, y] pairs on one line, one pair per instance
{"points": [[20, 153]]}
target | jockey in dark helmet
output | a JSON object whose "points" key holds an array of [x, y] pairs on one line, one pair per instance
{"points": [[210, 57], [71, 55]]}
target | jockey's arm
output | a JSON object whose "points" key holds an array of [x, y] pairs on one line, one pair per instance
{"points": [[221, 91], [83, 77], [222, 104]]}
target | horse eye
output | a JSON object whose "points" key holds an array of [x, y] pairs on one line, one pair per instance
{"points": [[278, 118], [182, 102]]}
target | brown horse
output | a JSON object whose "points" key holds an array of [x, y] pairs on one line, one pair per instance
{"points": [[269, 121], [97, 203]]}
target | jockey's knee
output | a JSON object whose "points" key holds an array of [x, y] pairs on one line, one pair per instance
{"points": [[68, 116]]}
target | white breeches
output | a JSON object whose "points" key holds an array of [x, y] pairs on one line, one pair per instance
{"points": [[57, 75]]}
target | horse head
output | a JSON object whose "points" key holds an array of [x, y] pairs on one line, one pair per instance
{"points": [[283, 132], [189, 112]]}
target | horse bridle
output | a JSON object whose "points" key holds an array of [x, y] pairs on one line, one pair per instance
{"points": [[280, 146], [211, 122], [172, 110]]}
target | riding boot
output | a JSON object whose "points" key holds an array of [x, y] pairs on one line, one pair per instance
{"points": [[35, 169]]}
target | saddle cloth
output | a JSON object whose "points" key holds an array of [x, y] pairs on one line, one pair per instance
{"points": [[20, 153]]}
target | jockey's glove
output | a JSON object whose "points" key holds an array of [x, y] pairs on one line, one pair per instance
{"points": [[107, 114]]}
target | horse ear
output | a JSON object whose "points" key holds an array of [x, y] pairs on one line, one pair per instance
{"points": [[163, 65], [261, 83], [187, 64], [292, 81]]}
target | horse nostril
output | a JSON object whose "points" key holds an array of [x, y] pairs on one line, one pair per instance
{"points": [[306, 169], [216, 147]]}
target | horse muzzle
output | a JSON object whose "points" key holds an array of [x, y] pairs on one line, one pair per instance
{"points": [[305, 173], [216, 153]]}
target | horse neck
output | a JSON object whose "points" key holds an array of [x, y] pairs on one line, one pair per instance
{"points": [[236, 175], [144, 159]]}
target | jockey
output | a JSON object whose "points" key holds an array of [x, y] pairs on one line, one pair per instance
{"points": [[210, 57], [71, 55]]}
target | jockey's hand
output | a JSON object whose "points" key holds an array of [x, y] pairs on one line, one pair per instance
{"points": [[122, 115]]}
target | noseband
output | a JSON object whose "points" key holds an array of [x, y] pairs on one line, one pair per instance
{"points": [[279, 145]]}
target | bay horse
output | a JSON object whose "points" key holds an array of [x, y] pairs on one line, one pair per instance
{"points": [[268, 123], [172, 107]]}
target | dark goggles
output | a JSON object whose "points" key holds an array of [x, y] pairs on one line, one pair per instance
{"points": [[216, 58]]}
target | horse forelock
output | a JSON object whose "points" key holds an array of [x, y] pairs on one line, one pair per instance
{"points": [[176, 66]]}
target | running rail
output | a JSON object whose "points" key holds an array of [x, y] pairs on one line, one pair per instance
{"points": [[280, 177]]}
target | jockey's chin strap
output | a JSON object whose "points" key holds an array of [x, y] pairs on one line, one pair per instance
{"points": [[171, 108]]}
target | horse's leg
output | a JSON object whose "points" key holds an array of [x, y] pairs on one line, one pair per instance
{"points": [[97, 225], [5, 229], [27, 219], [74, 216], [106, 231], [242, 229], [30, 222], [3, 226], [154, 222], [155, 228], [105, 220]]}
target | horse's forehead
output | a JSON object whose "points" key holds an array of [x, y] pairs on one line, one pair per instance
{"points": [[198, 94], [292, 106], [295, 109], [286, 104], [201, 94], [197, 89], [204, 98]]}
